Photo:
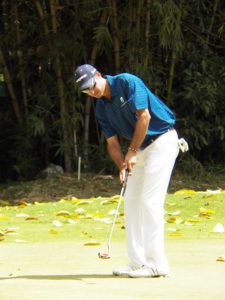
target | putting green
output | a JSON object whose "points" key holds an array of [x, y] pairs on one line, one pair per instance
{"points": [[69, 270]]}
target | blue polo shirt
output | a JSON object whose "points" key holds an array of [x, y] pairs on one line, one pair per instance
{"points": [[117, 115]]}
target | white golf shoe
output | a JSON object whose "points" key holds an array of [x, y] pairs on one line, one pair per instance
{"points": [[147, 272], [125, 270]]}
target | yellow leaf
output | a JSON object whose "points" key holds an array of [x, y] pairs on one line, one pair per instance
{"points": [[109, 201], [171, 220], [221, 258], [63, 213], [84, 202], [193, 220], [94, 243], [30, 218], [2, 233], [53, 231], [176, 233], [203, 212], [3, 217], [185, 192]]}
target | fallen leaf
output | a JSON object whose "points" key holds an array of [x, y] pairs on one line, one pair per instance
{"points": [[94, 243], [176, 233], [57, 223], [171, 229], [193, 220], [70, 221], [80, 211], [171, 220], [203, 212], [3, 217], [22, 215], [185, 192], [20, 241], [53, 231], [219, 228], [113, 212], [221, 258], [30, 218], [84, 202], [104, 220], [63, 213], [175, 213], [109, 201]]}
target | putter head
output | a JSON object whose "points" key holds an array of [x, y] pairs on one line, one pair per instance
{"points": [[103, 255]]}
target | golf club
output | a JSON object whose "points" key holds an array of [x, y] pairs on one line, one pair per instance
{"points": [[106, 254]]}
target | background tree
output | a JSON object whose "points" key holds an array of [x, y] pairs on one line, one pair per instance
{"points": [[175, 46]]}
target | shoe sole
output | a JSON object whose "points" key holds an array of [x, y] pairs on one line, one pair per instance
{"points": [[155, 276]]}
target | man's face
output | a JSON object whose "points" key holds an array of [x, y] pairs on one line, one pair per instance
{"points": [[98, 88]]}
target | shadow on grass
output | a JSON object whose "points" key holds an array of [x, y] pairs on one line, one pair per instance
{"points": [[60, 277]]}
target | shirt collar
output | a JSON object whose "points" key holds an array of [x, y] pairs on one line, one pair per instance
{"points": [[112, 85]]}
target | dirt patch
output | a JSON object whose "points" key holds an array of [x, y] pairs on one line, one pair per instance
{"points": [[90, 185]]}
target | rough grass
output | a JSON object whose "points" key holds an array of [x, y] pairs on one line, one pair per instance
{"points": [[188, 215]]}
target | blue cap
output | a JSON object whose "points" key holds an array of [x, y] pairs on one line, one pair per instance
{"points": [[85, 76]]}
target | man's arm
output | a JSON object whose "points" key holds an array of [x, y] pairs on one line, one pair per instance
{"points": [[143, 119], [138, 137], [115, 152]]}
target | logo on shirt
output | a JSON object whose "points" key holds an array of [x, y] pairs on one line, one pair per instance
{"points": [[122, 101]]}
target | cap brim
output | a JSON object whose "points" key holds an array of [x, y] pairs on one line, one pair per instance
{"points": [[87, 84]]}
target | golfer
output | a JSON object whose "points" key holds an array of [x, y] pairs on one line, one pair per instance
{"points": [[127, 108]]}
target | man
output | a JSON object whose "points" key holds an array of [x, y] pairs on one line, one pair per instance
{"points": [[127, 108]]}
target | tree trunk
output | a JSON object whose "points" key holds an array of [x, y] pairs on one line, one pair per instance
{"points": [[89, 102], [115, 31], [63, 112], [10, 88], [172, 67], [21, 62], [147, 32]]}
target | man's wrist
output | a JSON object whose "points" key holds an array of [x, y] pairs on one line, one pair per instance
{"points": [[133, 149]]}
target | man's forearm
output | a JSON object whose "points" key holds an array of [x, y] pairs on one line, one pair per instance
{"points": [[140, 131], [116, 154]]}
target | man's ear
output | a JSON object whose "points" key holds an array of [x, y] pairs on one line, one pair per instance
{"points": [[98, 74]]}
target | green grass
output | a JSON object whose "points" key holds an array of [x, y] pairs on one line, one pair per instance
{"points": [[188, 215]]}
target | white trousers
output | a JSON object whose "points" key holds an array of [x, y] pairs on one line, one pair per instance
{"points": [[144, 202]]}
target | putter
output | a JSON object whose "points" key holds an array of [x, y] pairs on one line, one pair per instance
{"points": [[106, 255]]}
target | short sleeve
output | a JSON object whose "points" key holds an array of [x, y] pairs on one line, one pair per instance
{"points": [[138, 93]]}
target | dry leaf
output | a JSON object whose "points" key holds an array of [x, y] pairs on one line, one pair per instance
{"points": [[63, 213], [94, 243], [22, 215], [219, 228], [175, 213], [30, 218], [80, 211], [221, 258], [53, 231], [20, 241], [57, 223]]}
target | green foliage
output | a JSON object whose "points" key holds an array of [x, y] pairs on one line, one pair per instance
{"points": [[177, 47]]}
